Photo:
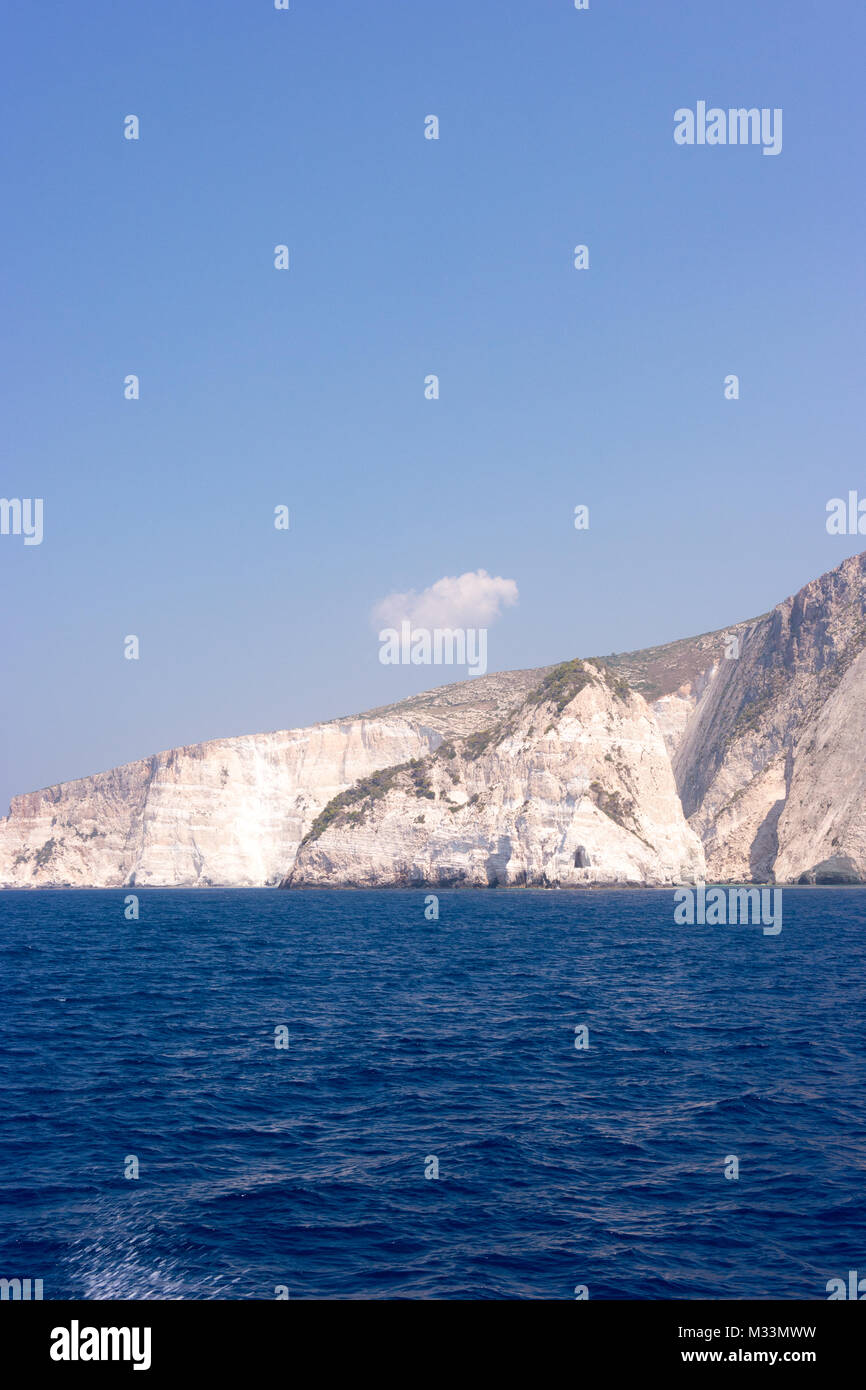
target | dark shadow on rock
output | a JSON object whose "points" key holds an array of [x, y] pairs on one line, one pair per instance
{"points": [[765, 846], [497, 864], [839, 868]]}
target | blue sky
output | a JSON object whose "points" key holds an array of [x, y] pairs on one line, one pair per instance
{"points": [[408, 257]]}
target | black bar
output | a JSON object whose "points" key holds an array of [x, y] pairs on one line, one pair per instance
{"points": [[307, 1338]]}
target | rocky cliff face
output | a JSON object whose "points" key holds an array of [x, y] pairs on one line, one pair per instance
{"points": [[228, 812], [736, 755], [767, 766], [764, 743], [574, 788]]}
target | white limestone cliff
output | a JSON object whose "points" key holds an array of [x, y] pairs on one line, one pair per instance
{"points": [[231, 811], [770, 765], [572, 796], [661, 765]]}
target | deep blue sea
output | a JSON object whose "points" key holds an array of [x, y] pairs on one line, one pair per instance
{"points": [[410, 1040]]}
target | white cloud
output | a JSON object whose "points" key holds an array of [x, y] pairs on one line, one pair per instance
{"points": [[466, 600]]}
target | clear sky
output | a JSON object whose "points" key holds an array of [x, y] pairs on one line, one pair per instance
{"points": [[408, 257]]}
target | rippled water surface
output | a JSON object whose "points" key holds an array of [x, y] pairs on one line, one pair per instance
{"points": [[410, 1039]]}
